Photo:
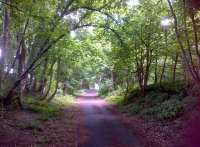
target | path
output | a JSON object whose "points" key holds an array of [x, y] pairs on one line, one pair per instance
{"points": [[104, 129]]}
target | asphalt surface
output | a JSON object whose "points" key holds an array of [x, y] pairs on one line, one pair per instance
{"points": [[103, 127]]}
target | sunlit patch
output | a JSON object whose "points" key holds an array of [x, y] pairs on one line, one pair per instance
{"points": [[73, 34], [132, 3], [98, 102], [96, 86], [0, 52], [11, 71], [166, 22], [91, 94]]}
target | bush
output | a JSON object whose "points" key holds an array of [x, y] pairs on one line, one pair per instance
{"points": [[105, 88], [166, 87], [115, 100], [173, 87], [70, 89], [155, 97], [45, 109], [169, 109], [49, 109], [134, 108], [62, 101], [135, 93], [118, 92]]}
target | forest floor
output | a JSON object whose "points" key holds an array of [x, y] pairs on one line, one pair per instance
{"points": [[183, 131], [24, 128], [87, 122], [90, 121]]}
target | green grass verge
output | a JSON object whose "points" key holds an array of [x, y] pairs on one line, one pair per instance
{"points": [[48, 110], [115, 100]]}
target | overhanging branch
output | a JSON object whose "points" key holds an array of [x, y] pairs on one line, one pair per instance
{"points": [[104, 27]]}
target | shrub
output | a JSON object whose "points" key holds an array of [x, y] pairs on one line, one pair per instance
{"points": [[135, 93], [49, 109], [173, 87], [115, 100], [134, 108], [155, 97], [169, 109], [45, 109], [105, 88], [62, 101], [118, 92]]}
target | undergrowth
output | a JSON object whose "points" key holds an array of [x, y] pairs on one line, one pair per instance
{"points": [[48, 109], [161, 103]]}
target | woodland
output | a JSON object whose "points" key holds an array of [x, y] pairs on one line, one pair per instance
{"points": [[141, 56]]}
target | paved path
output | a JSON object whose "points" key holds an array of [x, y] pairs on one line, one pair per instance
{"points": [[103, 127]]}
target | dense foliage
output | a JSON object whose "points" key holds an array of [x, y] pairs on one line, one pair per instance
{"points": [[54, 47]]}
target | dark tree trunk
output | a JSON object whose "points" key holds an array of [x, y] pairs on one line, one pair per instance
{"points": [[163, 70], [156, 72], [5, 40], [174, 68], [21, 66]]}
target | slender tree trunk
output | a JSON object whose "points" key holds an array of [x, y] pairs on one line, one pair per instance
{"points": [[113, 75], [54, 93], [5, 40], [50, 81], [190, 66], [44, 77], [174, 68], [156, 72], [163, 70], [57, 81], [21, 67]]}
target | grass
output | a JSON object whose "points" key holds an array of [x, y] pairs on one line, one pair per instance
{"points": [[115, 100], [48, 110]]}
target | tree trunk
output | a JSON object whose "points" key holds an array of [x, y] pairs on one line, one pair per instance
{"points": [[174, 68], [44, 77], [163, 70], [190, 66], [57, 81], [21, 67], [156, 72], [50, 81], [5, 40]]}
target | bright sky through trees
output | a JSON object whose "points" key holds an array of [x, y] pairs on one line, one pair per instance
{"points": [[132, 3], [165, 22], [73, 34]]}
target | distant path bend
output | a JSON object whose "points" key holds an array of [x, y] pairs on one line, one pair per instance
{"points": [[102, 126]]}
